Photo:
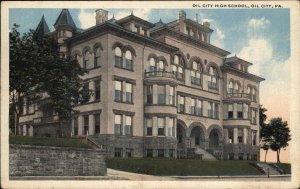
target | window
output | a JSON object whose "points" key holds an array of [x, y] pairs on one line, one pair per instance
{"points": [[161, 126], [230, 111], [171, 152], [128, 125], [76, 126], [254, 95], [151, 65], [236, 88], [230, 136], [149, 126], [118, 57], [161, 93], [253, 116], [128, 93], [231, 156], [177, 67], [181, 104], [85, 124], [241, 156], [118, 123], [97, 58], [128, 152], [199, 107], [196, 73], [240, 136], [86, 59], [86, 89], [160, 153], [149, 98], [97, 123], [254, 138], [246, 111], [230, 87], [160, 66], [212, 80], [128, 60], [171, 126], [240, 111], [97, 89], [118, 91], [171, 96], [149, 153], [118, 152], [192, 106], [213, 110]]}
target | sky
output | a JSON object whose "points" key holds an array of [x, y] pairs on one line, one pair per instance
{"points": [[260, 36]]}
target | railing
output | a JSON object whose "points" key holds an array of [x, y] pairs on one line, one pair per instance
{"points": [[160, 74], [238, 95]]}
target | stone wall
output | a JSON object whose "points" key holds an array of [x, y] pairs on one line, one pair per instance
{"points": [[55, 161]]}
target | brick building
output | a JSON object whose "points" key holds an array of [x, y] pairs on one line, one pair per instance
{"points": [[160, 90]]}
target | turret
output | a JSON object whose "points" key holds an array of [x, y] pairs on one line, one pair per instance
{"points": [[41, 30]]}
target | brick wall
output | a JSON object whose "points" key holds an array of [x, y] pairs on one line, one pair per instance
{"points": [[55, 161]]}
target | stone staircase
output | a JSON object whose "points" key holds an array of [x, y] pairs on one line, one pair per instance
{"points": [[205, 155], [263, 167]]}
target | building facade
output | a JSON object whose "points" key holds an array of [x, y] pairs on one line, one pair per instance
{"points": [[160, 90]]}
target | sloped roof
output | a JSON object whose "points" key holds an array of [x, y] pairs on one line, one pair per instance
{"points": [[65, 19], [41, 30], [136, 19], [236, 59]]}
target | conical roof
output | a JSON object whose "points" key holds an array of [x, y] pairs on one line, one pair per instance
{"points": [[41, 29], [65, 19]]}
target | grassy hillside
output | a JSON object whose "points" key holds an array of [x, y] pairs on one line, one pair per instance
{"points": [[182, 167]]}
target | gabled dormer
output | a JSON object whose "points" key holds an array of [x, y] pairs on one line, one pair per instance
{"points": [[238, 63], [135, 24]]}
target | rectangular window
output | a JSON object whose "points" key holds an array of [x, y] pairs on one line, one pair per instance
{"points": [[128, 152], [230, 111], [149, 126], [97, 89], [181, 104], [171, 96], [240, 136], [161, 126], [97, 58], [254, 138], [160, 153], [128, 125], [253, 116], [149, 99], [171, 126], [118, 152], [230, 136], [118, 123], [246, 111], [97, 123], [118, 91], [76, 126], [161, 92], [86, 89], [199, 107], [149, 153], [240, 111], [192, 106], [118, 61], [128, 93], [85, 124]]}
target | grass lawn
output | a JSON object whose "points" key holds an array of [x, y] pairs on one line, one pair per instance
{"points": [[47, 141], [182, 167], [286, 167]]}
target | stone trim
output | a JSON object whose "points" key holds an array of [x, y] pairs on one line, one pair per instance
{"points": [[123, 112], [198, 97], [162, 81], [148, 115], [132, 81], [91, 112], [252, 77], [201, 89], [93, 78], [236, 126]]}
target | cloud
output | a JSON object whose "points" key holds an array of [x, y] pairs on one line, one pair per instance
{"points": [[259, 23], [86, 19]]}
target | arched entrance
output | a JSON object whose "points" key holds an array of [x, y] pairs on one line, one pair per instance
{"points": [[197, 137], [214, 138]]}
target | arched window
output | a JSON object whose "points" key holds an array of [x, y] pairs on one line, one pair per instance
{"points": [[230, 87], [151, 65], [196, 73], [236, 88], [254, 94], [97, 58], [86, 58], [118, 57], [160, 66], [128, 60], [177, 67], [213, 79]]}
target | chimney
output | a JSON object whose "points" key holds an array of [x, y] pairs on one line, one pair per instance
{"points": [[182, 15], [101, 16]]}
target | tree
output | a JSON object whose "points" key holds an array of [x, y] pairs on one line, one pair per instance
{"points": [[280, 135], [264, 133], [37, 66]]}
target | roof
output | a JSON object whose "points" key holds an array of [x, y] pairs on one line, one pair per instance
{"points": [[65, 19], [136, 19], [235, 59], [226, 67], [157, 25], [41, 29]]}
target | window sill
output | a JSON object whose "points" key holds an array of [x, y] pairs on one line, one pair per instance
{"points": [[171, 105], [131, 70], [130, 103]]}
